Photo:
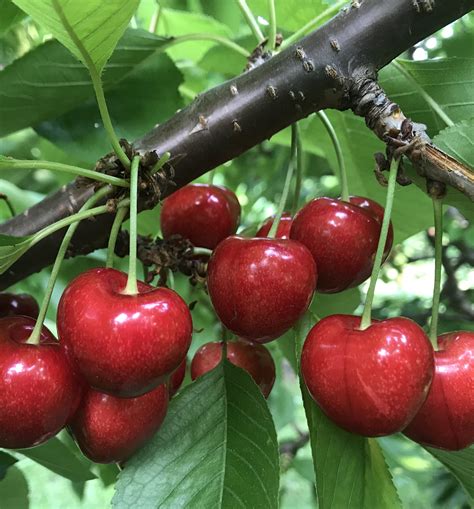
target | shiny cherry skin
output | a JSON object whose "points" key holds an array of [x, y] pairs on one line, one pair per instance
{"points": [[203, 213], [260, 287], [108, 429], [370, 382], [38, 389], [342, 238], [283, 230], [177, 378], [124, 345], [14, 304], [446, 419], [254, 358]]}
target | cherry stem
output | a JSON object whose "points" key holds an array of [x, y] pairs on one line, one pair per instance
{"points": [[273, 25], [202, 251], [286, 187], [132, 288], [392, 180], [161, 162], [340, 158], [251, 21], [35, 336], [114, 231], [438, 221], [9, 163], [155, 19], [299, 171]]}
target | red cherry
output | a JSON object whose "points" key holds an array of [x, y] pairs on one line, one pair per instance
{"points": [[342, 238], [12, 304], [283, 230], [373, 381], [124, 345], [202, 213], [260, 287], [176, 378], [446, 419], [38, 389], [254, 358], [109, 429]]}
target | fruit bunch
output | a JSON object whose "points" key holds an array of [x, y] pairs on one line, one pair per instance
{"points": [[121, 355]]}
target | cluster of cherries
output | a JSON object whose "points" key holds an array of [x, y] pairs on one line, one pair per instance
{"points": [[120, 357]]}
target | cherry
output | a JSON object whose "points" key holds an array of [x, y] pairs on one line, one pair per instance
{"points": [[109, 429], [373, 381], [260, 287], [38, 389], [342, 238], [283, 230], [124, 345], [177, 378], [254, 358], [204, 214], [12, 304], [446, 419]]}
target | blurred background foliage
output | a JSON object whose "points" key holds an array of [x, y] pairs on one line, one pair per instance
{"points": [[161, 84]]}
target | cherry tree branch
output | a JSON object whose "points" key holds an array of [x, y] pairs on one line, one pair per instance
{"points": [[321, 71]]}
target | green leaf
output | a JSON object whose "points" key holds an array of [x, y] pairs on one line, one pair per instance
{"points": [[90, 27], [330, 304], [57, 457], [216, 449], [6, 461], [34, 91], [10, 15], [447, 81], [460, 463], [350, 470], [14, 490], [134, 105]]}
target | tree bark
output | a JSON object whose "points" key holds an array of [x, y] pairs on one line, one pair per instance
{"points": [[316, 73]]}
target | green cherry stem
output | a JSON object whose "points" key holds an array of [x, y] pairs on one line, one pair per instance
{"points": [[299, 171], [273, 24], [7, 163], [392, 180], [340, 158], [114, 231], [132, 288], [286, 187], [438, 220], [96, 83], [35, 336], [224, 41], [251, 21]]}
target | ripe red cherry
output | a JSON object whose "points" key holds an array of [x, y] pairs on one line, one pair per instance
{"points": [[177, 378], [202, 213], [283, 230], [38, 389], [254, 358], [260, 287], [109, 429], [370, 382], [12, 304], [123, 345], [446, 419], [342, 238]]}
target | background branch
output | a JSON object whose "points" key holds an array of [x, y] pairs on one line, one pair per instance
{"points": [[239, 114]]}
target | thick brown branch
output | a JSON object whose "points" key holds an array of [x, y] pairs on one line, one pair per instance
{"points": [[220, 124]]}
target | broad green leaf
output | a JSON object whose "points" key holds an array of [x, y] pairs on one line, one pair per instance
{"points": [[9, 15], [6, 461], [32, 89], [12, 248], [10, 241], [89, 29], [460, 463], [14, 490], [350, 470], [57, 457], [134, 105], [216, 449], [447, 81], [329, 304], [20, 199]]}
